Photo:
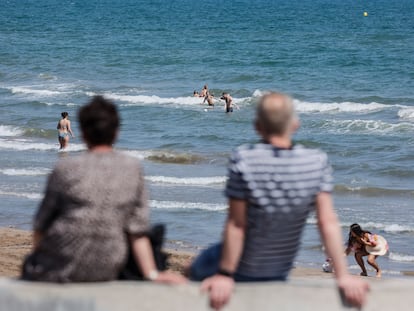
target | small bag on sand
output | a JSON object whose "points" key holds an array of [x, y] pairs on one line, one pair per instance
{"points": [[156, 236]]}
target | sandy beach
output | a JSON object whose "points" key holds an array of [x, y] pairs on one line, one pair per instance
{"points": [[15, 244]]}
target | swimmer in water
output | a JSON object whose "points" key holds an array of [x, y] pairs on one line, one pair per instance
{"points": [[195, 94], [64, 130], [228, 102], [204, 91], [209, 98]]}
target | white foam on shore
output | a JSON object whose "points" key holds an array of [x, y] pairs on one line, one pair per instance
{"points": [[62, 104], [406, 113], [187, 205], [313, 107], [259, 93], [147, 100], [32, 91], [390, 228], [23, 145], [192, 181], [10, 131], [25, 172], [401, 257], [301, 106], [27, 195], [366, 126]]}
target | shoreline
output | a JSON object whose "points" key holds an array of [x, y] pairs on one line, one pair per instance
{"points": [[15, 244]]}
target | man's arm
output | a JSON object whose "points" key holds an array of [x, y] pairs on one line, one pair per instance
{"points": [[354, 289], [219, 286]]}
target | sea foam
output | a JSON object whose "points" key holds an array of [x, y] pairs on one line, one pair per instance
{"points": [[22, 145], [301, 106], [313, 107], [25, 172], [148, 100], [191, 181], [7, 130], [31, 91], [389, 228], [187, 205], [406, 113], [27, 195], [366, 126], [401, 257], [165, 156]]}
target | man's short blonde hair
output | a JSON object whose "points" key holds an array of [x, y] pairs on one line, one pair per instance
{"points": [[275, 113]]}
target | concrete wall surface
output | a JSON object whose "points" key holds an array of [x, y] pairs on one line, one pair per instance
{"points": [[296, 294]]}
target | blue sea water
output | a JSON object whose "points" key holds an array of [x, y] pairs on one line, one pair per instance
{"points": [[351, 77]]}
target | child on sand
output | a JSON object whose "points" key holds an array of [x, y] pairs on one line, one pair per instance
{"points": [[364, 243]]}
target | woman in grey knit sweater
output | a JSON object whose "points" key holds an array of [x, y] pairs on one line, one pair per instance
{"points": [[95, 205]]}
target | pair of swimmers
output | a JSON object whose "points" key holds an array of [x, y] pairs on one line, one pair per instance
{"points": [[209, 98], [202, 93], [228, 101]]}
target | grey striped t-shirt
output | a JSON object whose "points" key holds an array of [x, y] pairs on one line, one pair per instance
{"points": [[280, 187]]}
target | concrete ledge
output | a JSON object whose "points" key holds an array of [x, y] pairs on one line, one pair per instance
{"points": [[297, 294]]}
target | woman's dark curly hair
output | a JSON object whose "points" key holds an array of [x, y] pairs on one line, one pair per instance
{"points": [[99, 121]]}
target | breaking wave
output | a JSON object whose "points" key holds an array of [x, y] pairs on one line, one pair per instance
{"points": [[373, 191], [27, 195], [366, 126], [23, 145], [401, 257], [166, 156], [187, 205], [191, 181], [25, 172], [9, 131], [389, 228]]}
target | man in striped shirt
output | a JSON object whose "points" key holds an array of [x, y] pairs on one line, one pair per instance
{"points": [[272, 187]]}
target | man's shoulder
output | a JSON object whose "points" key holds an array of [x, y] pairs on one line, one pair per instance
{"points": [[301, 149], [263, 150], [250, 148]]}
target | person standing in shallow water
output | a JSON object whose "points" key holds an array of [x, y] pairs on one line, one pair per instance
{"points": [[209, 99], [229, 103], [64, 130]]}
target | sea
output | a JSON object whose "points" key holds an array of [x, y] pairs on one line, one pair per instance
{"points": [[348, 64]]}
